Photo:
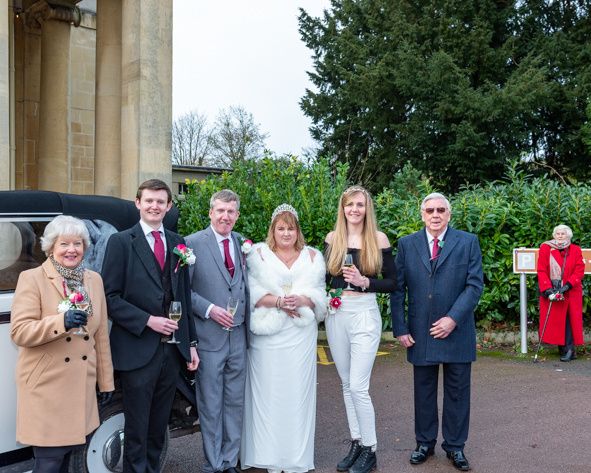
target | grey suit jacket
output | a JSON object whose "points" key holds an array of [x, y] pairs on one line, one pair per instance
{"points": [[452, 286], [211, 284]]}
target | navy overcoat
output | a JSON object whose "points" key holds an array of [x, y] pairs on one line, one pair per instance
{"points": [[450, 285]]}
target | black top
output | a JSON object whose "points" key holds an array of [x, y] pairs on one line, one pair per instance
{"points": [[386, 284]]}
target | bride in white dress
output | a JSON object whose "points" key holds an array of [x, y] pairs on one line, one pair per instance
{"points": [[288, 298]]}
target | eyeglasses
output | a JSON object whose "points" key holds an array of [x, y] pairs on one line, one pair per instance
{"points": [[430, 210]]}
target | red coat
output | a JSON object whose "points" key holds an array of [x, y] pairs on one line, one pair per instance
{"points": [[574, 270]]}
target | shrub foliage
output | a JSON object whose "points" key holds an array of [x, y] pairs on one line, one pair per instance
{"points": [[519, 211]]}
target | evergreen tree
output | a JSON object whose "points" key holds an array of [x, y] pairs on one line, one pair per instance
{"points": [[453, 87]]}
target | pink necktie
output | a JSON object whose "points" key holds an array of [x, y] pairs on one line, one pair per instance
{"points": [[158, 249], [435, 248], [227, 258]]}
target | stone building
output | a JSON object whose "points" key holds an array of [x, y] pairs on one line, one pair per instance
{"points": [[85, 94]]}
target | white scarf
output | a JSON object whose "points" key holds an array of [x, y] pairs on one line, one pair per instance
{"points": [[266, 275]]}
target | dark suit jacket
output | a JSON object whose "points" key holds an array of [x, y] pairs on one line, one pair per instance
{"points": [[133, 288], [451, 286]]}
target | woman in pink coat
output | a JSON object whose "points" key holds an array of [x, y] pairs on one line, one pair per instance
{"points": [[560, 273]]}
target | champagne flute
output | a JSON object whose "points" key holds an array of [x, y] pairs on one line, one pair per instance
{"points": [[348, 263], [231, 307], [175, 311], [286, 287], [82, 304]]}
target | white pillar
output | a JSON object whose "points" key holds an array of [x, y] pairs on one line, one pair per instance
{"points": [[6, 156], [146, 95]]}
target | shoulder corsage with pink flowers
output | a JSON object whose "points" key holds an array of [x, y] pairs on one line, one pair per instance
{"points": [[185, 254], [246, 245]]}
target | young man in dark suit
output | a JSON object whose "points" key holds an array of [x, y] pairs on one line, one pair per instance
{"points": [[140, 282], [439, 271]]}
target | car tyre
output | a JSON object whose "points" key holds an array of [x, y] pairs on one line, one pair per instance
{"points": [[103, 452]]}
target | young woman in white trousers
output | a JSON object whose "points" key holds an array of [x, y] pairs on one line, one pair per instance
{"points": [[354, 324]]}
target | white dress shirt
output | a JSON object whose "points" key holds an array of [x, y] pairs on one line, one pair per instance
{"points": [[147, 229], [431, 238]]}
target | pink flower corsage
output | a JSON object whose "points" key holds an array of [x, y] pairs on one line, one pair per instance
{"points": [[185, 255], [335, 300]]}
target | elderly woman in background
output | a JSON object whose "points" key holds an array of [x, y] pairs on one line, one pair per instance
{"points": [[286, 280], [59, 360], [560, 274]]}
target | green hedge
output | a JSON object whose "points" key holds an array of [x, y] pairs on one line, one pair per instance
{"points": [[520, 211]]}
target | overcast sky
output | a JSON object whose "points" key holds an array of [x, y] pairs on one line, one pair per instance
{"points": [[248, 53]]}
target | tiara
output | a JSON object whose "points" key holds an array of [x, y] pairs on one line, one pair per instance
{"points": [[353, 189], [284, 208]]}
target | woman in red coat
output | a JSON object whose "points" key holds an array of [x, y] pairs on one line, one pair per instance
{"points": [[560, 274]]}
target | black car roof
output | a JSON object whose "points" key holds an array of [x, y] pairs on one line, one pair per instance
{"points": [[120, 213]]}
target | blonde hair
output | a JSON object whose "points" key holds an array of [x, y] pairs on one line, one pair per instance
{"points": [[290, 220], [370, 255]]}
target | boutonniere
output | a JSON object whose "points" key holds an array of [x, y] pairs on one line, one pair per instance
{"points": [[335, 300], [185, 254], [440, 244], [246, 245], [71, 298]]}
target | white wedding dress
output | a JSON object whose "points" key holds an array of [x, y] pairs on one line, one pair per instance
{"points": [[280, 397]]}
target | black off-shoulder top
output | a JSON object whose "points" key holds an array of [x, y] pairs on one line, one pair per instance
{"points": [[386, 284]]}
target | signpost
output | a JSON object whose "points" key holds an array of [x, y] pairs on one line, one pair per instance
{"points": [[525, 261]]}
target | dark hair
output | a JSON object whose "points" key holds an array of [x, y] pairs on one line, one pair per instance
{"points": [[153, 185]]}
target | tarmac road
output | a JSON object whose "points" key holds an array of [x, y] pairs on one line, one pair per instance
{"points": [[525, 418]]}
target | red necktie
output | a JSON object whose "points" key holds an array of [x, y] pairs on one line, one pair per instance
{"points": [[158, 249], [435, 252], [227, 258]]}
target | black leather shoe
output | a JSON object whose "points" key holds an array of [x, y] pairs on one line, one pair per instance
{"points": [[232, 469], [354, 452], [366, 461], [420, 455], [569, 355], [459, 460]]}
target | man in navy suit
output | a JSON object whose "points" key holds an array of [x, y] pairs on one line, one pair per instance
{"points": [[439, 272], [141, 279]]}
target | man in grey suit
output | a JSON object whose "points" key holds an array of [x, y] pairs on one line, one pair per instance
{"points": [[439, 271], [218, 275]]}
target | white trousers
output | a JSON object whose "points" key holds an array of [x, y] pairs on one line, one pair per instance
{"points": [[353, 334]]}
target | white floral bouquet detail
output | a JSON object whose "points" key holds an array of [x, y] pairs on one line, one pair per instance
{"points": [[70, 300], [185, 254], [246, 245]]}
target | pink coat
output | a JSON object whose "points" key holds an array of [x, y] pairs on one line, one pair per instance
{"points": [[574, 270], [57, 371]]}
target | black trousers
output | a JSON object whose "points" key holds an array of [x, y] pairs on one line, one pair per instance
{"points": [[148, 394], [456, 405]]}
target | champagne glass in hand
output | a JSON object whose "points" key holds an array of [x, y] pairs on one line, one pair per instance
{"points": [[286, 287], [231, 307], [175, 312], [348, 263], [82, 303]]}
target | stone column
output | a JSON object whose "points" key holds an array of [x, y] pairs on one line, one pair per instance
{"points": [[107, 161], [54, 162], [6, 156], [146, 94]]}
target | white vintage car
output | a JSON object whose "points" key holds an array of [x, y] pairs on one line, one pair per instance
{"points": [[23, 217]]}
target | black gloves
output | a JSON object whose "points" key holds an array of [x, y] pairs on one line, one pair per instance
{"points": [[75, 318], [547, 293], [104, 398], [565, 288]]}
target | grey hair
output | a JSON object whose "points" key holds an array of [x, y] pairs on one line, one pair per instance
{"points": [[225, 195], [63, 225], [566, 228], [435, 195]]}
